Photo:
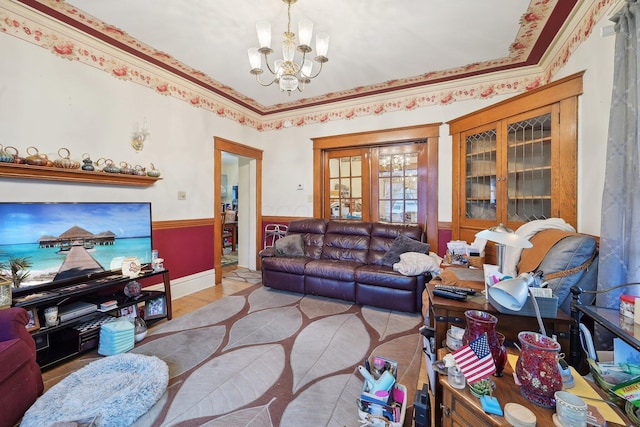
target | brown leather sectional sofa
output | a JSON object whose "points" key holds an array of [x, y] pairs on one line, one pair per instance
{"points": [[343, 259]]}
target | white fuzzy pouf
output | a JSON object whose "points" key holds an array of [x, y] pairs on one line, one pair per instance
{"points": [[115, 391]]}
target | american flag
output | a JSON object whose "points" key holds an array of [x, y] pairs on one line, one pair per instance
{"points": [[475, 360]]}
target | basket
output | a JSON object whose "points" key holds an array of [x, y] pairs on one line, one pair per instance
{"points": [[632, 412], [597, 376]]}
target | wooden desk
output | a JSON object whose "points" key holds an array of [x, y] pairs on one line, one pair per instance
{"points": [[461, 408], [445, 312]]}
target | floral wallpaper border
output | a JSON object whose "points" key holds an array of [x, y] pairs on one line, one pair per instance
{"points": [[61, 40]]}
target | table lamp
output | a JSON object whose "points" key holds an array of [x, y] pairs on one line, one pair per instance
{"points": [[503, 236], [513, 293]]}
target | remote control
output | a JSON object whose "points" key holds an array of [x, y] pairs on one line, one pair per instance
{"points": [[448, 294], [458, 289]]}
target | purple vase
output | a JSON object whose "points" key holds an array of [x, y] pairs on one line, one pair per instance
{"points": [[479, 322]]}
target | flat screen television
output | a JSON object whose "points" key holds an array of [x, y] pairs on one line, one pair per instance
{"points": [[64, 241]]}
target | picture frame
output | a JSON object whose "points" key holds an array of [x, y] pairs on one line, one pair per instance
{"points": [[155, 308], [34, 323], [129, 311]]}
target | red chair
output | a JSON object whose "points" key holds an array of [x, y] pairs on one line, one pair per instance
{"points": [[20, 377]]}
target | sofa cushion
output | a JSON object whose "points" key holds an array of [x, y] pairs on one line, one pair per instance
{"points": [[293, 265], [13, 357], [415, 263], [290, 245], [401, 245], [339, 270], [382, 236], [347, 241], [384, 277], [312, 231]]}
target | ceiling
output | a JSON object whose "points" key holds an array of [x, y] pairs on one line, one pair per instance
{"points": [[376, 46]]}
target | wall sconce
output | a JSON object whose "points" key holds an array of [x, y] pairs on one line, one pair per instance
{"points": [[139, 136]]}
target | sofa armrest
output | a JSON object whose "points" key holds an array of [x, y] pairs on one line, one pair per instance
{"points": [[267, 252], [12, 325]]}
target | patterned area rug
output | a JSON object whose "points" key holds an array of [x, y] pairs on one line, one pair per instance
{"points": [[244, 275], [270, 358]]}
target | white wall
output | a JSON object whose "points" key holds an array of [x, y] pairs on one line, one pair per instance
{"points": [[50, 103]]}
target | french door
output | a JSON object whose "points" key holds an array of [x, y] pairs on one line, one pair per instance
{"points": [[376, 184]]}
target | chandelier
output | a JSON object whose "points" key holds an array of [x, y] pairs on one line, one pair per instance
{"points": [[289, 74]]}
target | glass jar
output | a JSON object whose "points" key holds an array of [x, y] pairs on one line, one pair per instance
{"points": [[479, 322], [537, 368]]}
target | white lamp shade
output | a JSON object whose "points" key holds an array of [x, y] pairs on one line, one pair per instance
{"points": [[254, 58], [511, 294], [322, 44], [305, 31], [505, 236], [264, 34], [306, 68]]}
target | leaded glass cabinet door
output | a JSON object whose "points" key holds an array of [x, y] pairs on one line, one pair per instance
{"points": [[529, 167], [480, 168]]}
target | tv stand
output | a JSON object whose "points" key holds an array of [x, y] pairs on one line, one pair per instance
{"points": [[79, 331]]}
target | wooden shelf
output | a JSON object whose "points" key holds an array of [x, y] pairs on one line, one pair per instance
{"points": [[11, 170]]}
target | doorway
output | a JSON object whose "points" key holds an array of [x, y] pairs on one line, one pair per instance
{"points": [[249, 200]]}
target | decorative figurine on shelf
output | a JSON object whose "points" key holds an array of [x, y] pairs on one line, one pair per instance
{"points": [[131, 267], [87, 163], [132, 289]]}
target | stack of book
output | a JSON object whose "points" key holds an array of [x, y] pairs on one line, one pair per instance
{"points": [[108, 305]]}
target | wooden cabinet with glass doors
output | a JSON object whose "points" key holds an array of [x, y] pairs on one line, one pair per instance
{"points": [[515, 162]]}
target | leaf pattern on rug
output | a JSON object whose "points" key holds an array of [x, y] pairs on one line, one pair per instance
{"points": [[184, 350], [326, 346], [210, 314], [263, 298], [227, 382], [265, 326], [387, 322], [251, 417], [314, 306], [328, 402]]}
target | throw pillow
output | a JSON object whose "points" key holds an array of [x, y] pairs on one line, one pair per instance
{"points": [[292, 245], [416, 263], [400, 245]]}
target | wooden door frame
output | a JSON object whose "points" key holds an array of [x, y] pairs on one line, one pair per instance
{"points": [[429, 132], [224, 145]]}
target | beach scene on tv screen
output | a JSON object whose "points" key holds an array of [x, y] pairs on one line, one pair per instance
{"points": [[64, 240]]}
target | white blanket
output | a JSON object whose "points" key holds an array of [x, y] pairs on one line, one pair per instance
{"points": [[528, 230]]}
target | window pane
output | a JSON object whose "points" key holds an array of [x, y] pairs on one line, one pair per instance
{"points": [[384, 206], [356, 187], [334, 168], [345, 166]]}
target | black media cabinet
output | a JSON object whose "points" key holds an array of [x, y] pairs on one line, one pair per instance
{"points": [[69, 338]]}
